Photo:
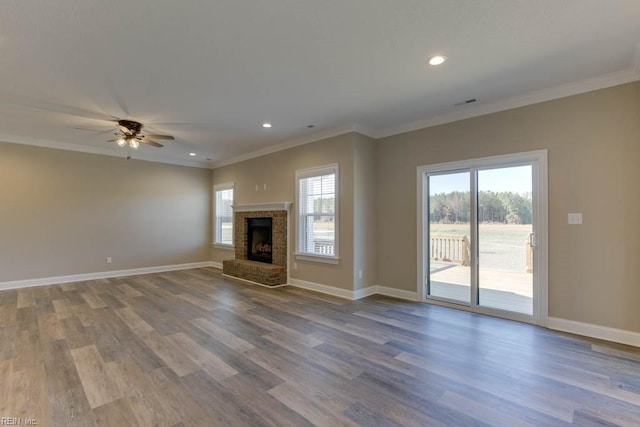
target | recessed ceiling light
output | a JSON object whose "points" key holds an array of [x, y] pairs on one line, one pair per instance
{"points": [[192, 154], [437, 60], [266, 125]]}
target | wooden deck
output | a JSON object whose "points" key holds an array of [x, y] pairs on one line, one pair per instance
{"points": [[502, 289]]}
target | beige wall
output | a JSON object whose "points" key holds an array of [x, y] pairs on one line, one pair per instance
{"points": [[63, 213], [365, 217], [277, 171], [593, 143]]}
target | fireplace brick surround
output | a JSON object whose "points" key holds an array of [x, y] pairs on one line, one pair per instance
{"points": [[274, 274]]}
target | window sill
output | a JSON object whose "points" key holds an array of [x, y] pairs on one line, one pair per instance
{"points": [[223, 246], [317, 258]]}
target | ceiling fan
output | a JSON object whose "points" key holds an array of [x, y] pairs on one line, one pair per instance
{"points": [[131, 135], [130, 131]]}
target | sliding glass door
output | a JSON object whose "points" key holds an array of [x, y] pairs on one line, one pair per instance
{"points": [[505, 232], [449, 236], [480, 228]]}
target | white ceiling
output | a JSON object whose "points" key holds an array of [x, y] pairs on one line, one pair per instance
{"points": [[211, 72]]}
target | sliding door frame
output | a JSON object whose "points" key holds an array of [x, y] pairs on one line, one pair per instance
{"points": [[540, 225]]}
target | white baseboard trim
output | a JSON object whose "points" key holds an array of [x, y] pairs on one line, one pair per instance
{"points": [[329, 290], [595, 331], [325, 289], [17, 284], [397, 293], [571, 326], [251, 282], [357, 294], [364, 292]]}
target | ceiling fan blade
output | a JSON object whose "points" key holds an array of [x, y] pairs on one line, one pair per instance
{"points": [[113, 140], [150, 135], [42, 105], [117, 97], [73, 111], [171, 124], [151, 142], [96, 131]]}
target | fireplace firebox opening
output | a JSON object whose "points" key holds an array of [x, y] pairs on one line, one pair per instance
{"points": [[260, 239]]}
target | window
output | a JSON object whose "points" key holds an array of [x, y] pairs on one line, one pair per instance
{"points": [[317, 193], [224, 214]]}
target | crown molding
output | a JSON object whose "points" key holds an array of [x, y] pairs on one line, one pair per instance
{"points": [[371, 133], [631, 74], [47, 143], [291, 143], [574, 88], [600, 82], [140, 155]]}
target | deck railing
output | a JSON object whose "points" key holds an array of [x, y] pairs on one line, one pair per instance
{"points": [[324, 247], [450, 249], [457, 249], [529, 255]]}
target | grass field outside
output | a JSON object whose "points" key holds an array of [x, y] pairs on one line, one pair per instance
{"points": [[502, 246]]}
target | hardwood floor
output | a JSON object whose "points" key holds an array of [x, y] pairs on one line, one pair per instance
{"points": [[190, 348]]}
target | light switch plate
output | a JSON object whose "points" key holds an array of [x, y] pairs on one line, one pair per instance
{"points": [[575, 218]]}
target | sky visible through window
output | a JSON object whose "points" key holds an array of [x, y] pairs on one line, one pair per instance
{"points": [[515, 179]]}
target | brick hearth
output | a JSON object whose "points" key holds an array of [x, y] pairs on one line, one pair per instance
{"points": [[266, 274]]}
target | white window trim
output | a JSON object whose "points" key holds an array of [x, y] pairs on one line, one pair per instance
{"points": [[216, 188], [307, 173], [303, 256]]}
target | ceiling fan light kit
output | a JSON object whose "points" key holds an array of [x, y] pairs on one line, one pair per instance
{"points": [[130, 141]]}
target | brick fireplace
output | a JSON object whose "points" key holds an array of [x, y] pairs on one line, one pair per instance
{"points": [[261, 238]]}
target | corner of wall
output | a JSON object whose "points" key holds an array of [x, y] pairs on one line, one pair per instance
{"points": [[365, 215]]}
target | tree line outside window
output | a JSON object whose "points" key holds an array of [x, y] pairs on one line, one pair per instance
{"points": [[493, 207]]}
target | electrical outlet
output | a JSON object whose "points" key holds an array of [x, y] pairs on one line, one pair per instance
{"points": [[575, 218], [108, 260]]}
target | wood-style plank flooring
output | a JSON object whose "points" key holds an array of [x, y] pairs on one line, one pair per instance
{"points": [[191, 348]]}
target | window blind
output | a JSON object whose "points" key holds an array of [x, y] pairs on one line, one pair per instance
{"points": [[317, 214], [224, 216]]}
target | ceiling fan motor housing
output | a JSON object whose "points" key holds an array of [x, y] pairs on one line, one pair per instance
{"points": [[130, 127], [132, 136]]}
